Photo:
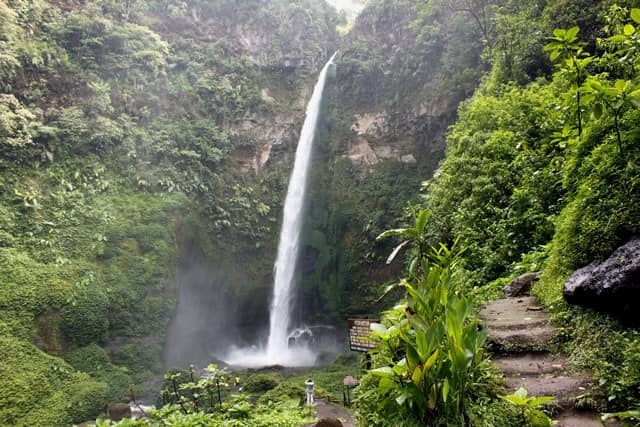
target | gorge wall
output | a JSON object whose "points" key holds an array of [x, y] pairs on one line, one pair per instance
{"points": [[146, 148]]}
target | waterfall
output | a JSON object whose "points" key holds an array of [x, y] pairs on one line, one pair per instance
{"points": [[277, 350], [292, 223]]}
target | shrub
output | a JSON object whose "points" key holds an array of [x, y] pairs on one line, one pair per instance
{"points": [[85, 319], [430, 352], [282, 392], [87, 399], [259, 383]]}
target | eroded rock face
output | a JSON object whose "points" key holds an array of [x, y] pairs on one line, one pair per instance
{"points": [[613, 286]]}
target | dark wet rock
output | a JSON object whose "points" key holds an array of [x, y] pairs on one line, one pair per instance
{"points": [[521, 285], [118, 411], [613, 286]]}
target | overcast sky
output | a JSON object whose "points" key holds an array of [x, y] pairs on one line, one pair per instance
{"points": [[352, 7]]}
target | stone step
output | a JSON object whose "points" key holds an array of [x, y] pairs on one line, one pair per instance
{"points": [[517, 324], [514, 313], [520, 340], [564, 389], [575, 418], [530, 364]]}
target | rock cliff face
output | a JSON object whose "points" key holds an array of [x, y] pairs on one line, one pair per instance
{"points": [[386, 111], [397, 90], [398, 77], [226, 276]]}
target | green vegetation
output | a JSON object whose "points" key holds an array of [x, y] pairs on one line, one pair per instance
{"points": [[543, 174], [134, 132], [530, 407], [120, 127], [430, 356]]}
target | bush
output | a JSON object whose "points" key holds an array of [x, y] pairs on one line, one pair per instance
{"points": [[94, 360], [260, 383], [87, 399], [85, 320], [282, 392], [91, 359], [430, 356]]}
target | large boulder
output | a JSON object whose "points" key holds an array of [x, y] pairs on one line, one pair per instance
{"points": [[613, 286], [118, 411], [521, 285]]}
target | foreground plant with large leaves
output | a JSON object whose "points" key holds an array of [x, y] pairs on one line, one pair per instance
{"points": [[431, 351]]}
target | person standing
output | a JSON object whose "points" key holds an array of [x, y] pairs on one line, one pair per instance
{"points": [[309, 390]]}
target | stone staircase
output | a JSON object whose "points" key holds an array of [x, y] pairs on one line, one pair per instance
{"points": [[521, 339]]}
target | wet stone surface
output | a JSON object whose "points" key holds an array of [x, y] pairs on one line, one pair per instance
{"points": [[520, 336]]}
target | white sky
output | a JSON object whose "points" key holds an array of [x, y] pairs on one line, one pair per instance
{"points": [[352, 7]]}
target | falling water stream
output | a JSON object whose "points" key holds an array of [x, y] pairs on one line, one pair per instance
{"points": [[277, 350]]}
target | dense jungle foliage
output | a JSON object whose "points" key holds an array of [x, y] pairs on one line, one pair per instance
{"points": [[130, 131], [120, 133], [542, 172]]}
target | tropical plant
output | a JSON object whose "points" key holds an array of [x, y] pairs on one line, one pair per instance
{"points": [[196, 394], [429, 345], [574, 60], [530, 407], [629, 415]]}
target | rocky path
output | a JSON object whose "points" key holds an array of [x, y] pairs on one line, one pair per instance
{"points": [[521, 339], [326, 411]]}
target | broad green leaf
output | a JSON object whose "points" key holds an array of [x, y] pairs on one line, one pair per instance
{"points": [[572, 33], [635, 15], [405, 232], [634, 94], [560, 33], [539, 401], [633, 414], [433, 397], [401, 370], [618, 38], [413, 359], [554, 55], [629, 30], [379, 329], [514, 400], [417, 375], [401, 399], [587, 99], [521, 393], [552, 46], [595, 85], [396, 251], [385, 372], [538, 418], [431, 360], [621, 85], [422, 344], [386, 384], [421, 221], [388, 290], [413, 265]]}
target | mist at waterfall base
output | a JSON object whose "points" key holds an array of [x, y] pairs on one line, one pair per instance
{"points": [[286, 346]]}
